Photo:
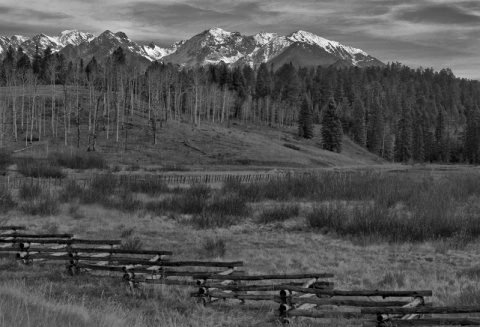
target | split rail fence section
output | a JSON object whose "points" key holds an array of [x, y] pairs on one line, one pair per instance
{"points": [[15, 182], [296, 294]]}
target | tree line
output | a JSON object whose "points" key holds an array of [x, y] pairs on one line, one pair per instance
{"points": [[396, 112]]}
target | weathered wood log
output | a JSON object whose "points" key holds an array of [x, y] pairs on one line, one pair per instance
{"points": [[425, 322], [193, 263], [90, 250], [137, 270], [236, 296], [323, 285], [322, 314], [72, 258], [417, 301], [121, 251], [249, 288], [351, 303], [319, 291], [317, 301], [41, 236], [265, 277], [383, 294], [423, 310], [61, 241], [164, 281]]}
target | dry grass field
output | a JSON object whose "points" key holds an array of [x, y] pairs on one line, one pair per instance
{"points": [[408, 230]]}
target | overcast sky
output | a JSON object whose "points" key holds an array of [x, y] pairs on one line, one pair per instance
{"points": [[428, 33]]}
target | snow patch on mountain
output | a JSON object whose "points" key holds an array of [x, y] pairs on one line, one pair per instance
{"points": [[154, 52], [329, 46], [74, 37]]}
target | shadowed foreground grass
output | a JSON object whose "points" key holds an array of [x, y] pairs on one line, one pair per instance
{"points": [[22, 307]]}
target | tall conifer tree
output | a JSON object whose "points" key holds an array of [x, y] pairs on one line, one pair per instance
{"points": [[305, 120], [331, 128]]}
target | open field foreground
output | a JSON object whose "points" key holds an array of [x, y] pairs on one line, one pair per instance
{"points": [[388, 231]]}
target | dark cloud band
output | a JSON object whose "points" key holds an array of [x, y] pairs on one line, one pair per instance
{"points": [[438, 14]]}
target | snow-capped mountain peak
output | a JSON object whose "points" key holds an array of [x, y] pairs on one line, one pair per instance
{"points": [[219, 35], [263, 38], [310, 38], [217, 31], [122, 35], [328, 45], [212, 46], [74, 37]]}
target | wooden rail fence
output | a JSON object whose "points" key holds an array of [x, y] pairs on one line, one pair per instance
{"points": [[298, 295], [15, 182]]}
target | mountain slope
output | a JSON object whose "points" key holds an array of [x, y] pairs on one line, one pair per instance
{"points": [[301, 47]]}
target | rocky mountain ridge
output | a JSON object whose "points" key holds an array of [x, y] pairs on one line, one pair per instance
{"points": [[212, 46]]}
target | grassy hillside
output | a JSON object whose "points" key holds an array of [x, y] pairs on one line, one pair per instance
{"points": [[208, 146]]}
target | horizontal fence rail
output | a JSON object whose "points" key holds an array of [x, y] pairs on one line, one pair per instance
{"points": [[15, 182]]}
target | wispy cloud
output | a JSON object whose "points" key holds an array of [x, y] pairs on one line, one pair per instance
{"points": [[438, 14]]}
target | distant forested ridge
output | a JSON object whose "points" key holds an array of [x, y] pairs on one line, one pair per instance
{"points": [[398, 113]]}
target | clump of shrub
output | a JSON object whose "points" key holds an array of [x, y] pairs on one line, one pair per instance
{"points": [[104, 183], [74, 210], [148, 186], [45, 205], [229, 205], [30, 167], [208, 220], [5, 158], [278, 214], [87, 160], [125, 201], [393, 279], [249, 192], [214, 247], [127, 232], [70, 191], [132, 243], [6, 201], [193, 200], [29, 191]]}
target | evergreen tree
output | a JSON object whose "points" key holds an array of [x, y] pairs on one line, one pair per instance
{"points": [[404, 138], [264, 82], [377, 128], [119, 57], [472, 137], [305, 120], [359, 131], [418, 144], [37, 61], [331, 128], [442, 137]]}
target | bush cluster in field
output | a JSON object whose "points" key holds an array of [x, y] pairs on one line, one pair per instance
{"points": [[77, 160], [396, 207], [52, 166]]}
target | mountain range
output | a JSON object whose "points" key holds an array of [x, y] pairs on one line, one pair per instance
{"points": [[212, 46]]}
